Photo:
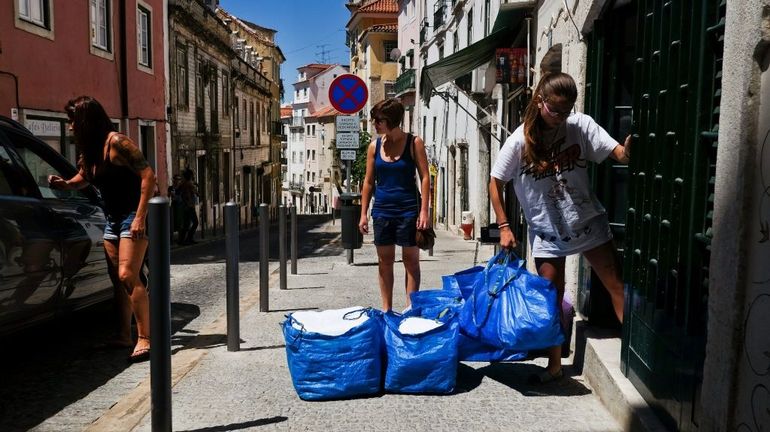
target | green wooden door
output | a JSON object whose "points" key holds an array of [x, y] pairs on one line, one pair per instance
{"points": [[677, 80]]}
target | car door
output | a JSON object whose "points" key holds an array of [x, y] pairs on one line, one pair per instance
{"points": [[30, 254], [79, 219]]}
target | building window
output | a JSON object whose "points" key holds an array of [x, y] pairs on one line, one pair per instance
{"points": [[100, 25], [225, 93], [293, 157], [390, 89], [433, 132], [469, 40], [455, 42], [244, 126], [182, 83], [440, 48], [389, 46], [144, 36], [251, 119], [486, 17], [34, 11], [313, 159]]}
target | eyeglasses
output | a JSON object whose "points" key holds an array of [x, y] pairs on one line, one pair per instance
{"points": [[556, 114]]}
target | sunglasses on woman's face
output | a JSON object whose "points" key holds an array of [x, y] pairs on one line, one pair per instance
{"points": [[557, 114]]}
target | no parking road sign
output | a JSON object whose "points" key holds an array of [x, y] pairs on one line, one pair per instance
{"points": [[348, 94]]}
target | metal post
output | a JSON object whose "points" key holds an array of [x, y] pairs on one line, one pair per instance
{"points": [[282, 245], [348, 168], [264, 258], [231, 271], [293, 240], [160, 314]]}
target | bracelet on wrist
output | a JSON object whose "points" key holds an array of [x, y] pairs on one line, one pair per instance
{"points": [[503, 225]]}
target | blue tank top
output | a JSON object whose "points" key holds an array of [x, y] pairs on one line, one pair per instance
{"points": [[395, 193]]}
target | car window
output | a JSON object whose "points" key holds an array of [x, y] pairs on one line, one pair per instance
{"points": [[5, 163], [40, 166], [14, 179]]}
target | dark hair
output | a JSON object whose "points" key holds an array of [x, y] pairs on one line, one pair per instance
{"points": [[391, 110], [92, 125], [551, 84]]}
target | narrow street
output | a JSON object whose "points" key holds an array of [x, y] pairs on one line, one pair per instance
{"points": [[54, 372]]}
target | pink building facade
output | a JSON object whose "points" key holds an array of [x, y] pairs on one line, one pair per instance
{"points": [[113, 50]]}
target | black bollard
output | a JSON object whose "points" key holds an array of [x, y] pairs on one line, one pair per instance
{"points": [[231, 271], [282, 245], [264, 258], [160, 313], [293, 240]]}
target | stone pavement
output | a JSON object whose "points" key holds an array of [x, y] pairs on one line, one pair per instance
{"points": [[217, 390]]}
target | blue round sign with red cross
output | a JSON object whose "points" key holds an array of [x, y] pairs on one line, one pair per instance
{"points": [[348, 94]]}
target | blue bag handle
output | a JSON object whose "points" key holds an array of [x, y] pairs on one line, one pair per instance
{"points": [[446, 312], [301, 330], [505, 255]]}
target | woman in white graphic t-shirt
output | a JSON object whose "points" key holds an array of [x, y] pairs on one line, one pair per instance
{"points": [[547, 158]]}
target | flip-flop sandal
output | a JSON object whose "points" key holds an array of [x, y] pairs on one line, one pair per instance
{"points": [[139, 355], [545, 377]]}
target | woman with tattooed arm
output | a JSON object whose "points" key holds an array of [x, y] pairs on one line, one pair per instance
{"points": [[113, 163]]}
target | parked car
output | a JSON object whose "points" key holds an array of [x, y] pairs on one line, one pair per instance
{"points": [[51, 246]]}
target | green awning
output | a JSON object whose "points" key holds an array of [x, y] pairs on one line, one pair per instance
{"points": [[507, 23]]}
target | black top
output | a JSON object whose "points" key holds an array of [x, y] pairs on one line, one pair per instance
{"points": [[120, 187]]}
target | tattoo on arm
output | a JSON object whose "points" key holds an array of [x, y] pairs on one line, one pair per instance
{"points": [[129, 153]]}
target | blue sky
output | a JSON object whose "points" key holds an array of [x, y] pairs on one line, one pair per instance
{"points": [[305, 28]]}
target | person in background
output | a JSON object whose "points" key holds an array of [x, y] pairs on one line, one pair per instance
{"points": [[189, 193], [114, 164], [400, 209], [177, 207], [547, 159]]}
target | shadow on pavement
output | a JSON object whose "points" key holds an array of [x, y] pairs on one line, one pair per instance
{"points": [[311, 242], [243, 425], [51, 366], [515, 375], [468, 378]]}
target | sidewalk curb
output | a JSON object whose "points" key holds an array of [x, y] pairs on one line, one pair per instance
{"points": [[130, 410], [602, 371]]}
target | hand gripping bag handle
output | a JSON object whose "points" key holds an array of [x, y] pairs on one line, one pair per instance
{"points": [[493, 292]]}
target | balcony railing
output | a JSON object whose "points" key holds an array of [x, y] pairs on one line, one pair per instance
{"points": [[405, 81], [298, 121], [297, 186]]}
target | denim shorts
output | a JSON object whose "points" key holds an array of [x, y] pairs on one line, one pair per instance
{"points": [[120, 228], [398, 231]]}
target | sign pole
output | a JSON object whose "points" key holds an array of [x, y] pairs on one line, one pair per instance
{"points": [[350, 251]]}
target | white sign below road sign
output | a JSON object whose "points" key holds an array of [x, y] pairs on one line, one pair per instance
{"points": [[347, 155], [347, 124], [348, 141]]}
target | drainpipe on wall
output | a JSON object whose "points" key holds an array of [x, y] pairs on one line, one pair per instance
{"points": [[123, 65], [167, 76]]}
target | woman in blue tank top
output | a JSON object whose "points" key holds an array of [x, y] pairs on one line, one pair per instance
{"points": [[400, 209]]}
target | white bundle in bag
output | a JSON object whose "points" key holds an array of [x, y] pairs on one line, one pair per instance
{"points": [[330, 322], [417, 325]]}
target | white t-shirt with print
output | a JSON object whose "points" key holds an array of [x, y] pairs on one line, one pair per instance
{"points": [[562, 211]]}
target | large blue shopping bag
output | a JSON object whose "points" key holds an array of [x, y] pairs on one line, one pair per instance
{"points": [[431, 302], [512, 308], [423, 361], [468, 348], [338, 366]]}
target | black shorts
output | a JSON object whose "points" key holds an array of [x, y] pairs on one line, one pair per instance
{"points": [[395, 231]]}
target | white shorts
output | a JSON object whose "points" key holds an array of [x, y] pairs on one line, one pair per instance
{"points": [[596, 233]]}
